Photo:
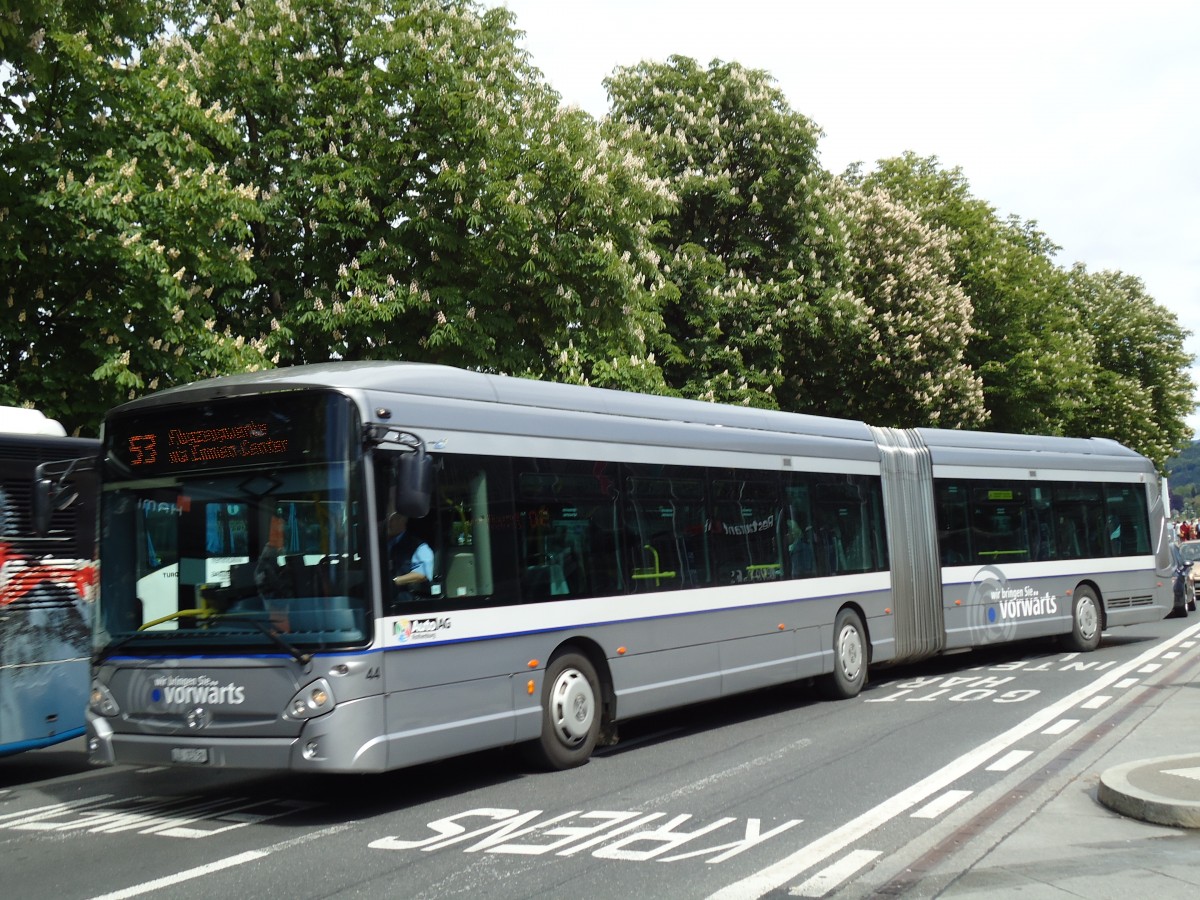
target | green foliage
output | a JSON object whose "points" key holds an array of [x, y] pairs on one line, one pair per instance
{"points": [[119, 236], [1027, 346], [195, 187], [1183, 477], [1143, 393], [424, 194], [747, 245], [904, 365]]}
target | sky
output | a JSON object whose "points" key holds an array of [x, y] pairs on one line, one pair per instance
{"points": [[1079, 116]]}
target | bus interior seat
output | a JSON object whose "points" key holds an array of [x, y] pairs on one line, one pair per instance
{"points": [[460, 576]]}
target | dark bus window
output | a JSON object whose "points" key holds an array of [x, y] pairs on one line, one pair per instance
{"points": [[850, 530], [746, 526], [567, 529], [999, 531], [953, 506], [1078, 520], [1127, 522], [476, 532], [664, 528]]}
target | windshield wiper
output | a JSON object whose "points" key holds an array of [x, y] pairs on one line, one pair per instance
{"points": [[275, 637], [271, 633]]}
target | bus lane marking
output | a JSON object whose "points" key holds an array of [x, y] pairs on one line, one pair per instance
{"points": [[1062, 726], [608, 834], [221, 865], [817, 851], [936, 807], [832, 876], [1009, 761], [187, 875], [178, 817]]}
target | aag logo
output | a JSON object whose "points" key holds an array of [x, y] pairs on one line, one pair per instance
{"points": [[406, 630]]}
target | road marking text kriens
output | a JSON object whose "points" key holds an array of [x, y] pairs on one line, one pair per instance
{"points": [[613, 835]]}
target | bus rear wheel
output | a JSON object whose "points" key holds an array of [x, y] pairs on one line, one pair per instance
{"points": [[570, 713], [1085, 622], [849, 658]]}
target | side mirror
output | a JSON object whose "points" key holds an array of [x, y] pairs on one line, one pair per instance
{"points": [[53, 489], [43, 506], [414, 483]]}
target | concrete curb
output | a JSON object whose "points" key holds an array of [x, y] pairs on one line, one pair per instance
{"points": [[1164, 790]]}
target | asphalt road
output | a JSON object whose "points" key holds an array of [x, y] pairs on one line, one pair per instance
{"points": [[775, 791]]}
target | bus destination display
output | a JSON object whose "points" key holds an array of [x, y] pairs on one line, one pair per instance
{"points": [[184, 447], [292, 427]]}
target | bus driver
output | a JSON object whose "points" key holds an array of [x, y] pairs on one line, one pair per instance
{"points": [[410, 558]]}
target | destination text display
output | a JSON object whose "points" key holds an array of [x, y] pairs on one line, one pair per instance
{"points": [[230, 434]]}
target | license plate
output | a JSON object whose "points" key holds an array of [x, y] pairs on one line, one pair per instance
{"points": [[196, 756]]}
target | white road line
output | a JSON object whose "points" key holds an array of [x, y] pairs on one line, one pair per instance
{"points": [[839, 839], [1150, 669], [1062, 726], [1096, 702], [198, 872], [222, 864], [829, 878], [1126, 683], [1010, 760], [934, 808]]}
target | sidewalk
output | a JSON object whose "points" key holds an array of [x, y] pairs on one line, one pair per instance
{"points": [[1120, 820]]}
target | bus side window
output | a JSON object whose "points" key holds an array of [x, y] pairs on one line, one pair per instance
{"points": [[745, 531], [1129, 531], [474, 526], [567, 518], [664, 528], [953, 521]]}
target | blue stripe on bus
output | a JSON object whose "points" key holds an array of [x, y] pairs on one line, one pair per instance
{"points": [[21, 746]]}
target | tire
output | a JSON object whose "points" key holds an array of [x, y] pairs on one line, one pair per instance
{"points": [[849, 658], [570, 713], [1085, 622]]}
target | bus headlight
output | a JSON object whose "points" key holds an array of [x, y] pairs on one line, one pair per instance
{"points": [[314, 699], [101, 701]]}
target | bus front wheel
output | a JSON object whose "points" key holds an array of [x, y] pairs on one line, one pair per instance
{"points": [[1085, 621], [570, 713], [849, 658]]}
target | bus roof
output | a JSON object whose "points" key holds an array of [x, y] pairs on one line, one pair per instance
{"points": [[443, 393], [18, 420]]}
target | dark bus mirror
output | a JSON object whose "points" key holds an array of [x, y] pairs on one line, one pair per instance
{"points": [[53, 489], [49, 497], [414, 483], [43, 506]]}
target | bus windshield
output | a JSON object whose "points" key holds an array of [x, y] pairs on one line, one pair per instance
{"points": [[228, 547]]}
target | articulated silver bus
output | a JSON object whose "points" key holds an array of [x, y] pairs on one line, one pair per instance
{"points": [[584, 556]]}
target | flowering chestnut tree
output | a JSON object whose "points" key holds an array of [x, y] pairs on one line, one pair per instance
{"points": [[1143, 392], [121, 232], [425, 196], [904, 365], [747, 247]]}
